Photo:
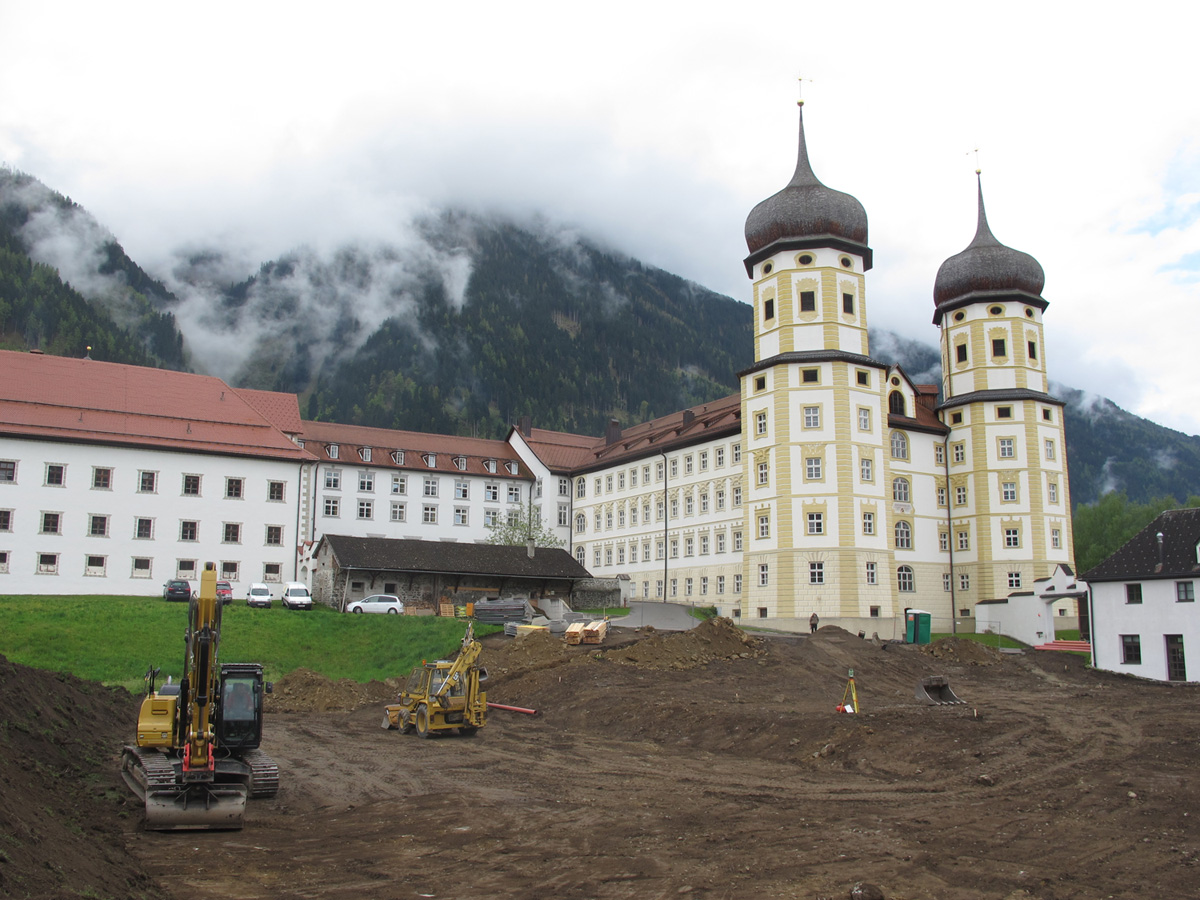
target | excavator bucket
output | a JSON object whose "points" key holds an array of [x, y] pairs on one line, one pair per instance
{"points": [[935, 690], [196, 808]]}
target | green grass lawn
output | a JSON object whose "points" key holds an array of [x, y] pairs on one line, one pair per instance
{"points": [[116, 639]]}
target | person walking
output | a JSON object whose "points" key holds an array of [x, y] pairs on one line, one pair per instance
{"points": [[812, 623]]}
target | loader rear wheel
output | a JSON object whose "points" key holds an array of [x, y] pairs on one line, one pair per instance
{"points": [[423, 721], [468, 730]]}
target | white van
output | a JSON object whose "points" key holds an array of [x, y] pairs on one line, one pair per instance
{"points": [[296, 596]]}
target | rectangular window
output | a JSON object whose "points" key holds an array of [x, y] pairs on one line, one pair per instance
{"points": [[1008, 491], [1012, 537], [1185, 591], [941, 496], [760, 423], [939, 454], [737, 542], [687, 464], [564, 515], [147, 482], [964, 540], [719, 457], [864, 418], [816, 523], [674, 587], [460, 515], [97, 525], [764, 526], [848, 304], [1052, 492], [366, 509], [737, 453], [429, 515], [737, 584], [816, 573], [812, 417], [720, 542], [866, 470], [964, 582], [102, 479], [960, 496], [720, 500], [1133, 593], [272, 572], [868, 523], [960, 353], [6, 520], [141, 567], [607, 484], [491, 492], [47, 564], [232, 533], [1032, 350], [1131, 649], [1003, 412], [872, 573], [720, 584], [1014, 579], [704, 545], [94, 565], [704, 503], [812, 467], [675, 468], [764, 575], [333, 507], [143, 529], [56, 474], [764, 473], [430, 488], [185, 569], [274, 536], [1049, 449], [1055, 538], [703, 460], [462, 490], [810, 376], [399, 484], [808, 301], [960, 452], [491, 519], [1007, 448], [999, 348], [943, 540], [366, 482], [51, 522], [687, 587], [233, 488], [514, 493], [8, 471], [189, 530], [333, 480], [768, 309], [275, 491], [947, 581], [674, 548], [229, 570]]}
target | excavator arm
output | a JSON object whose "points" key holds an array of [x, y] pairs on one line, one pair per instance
{"points": [[202, 671]]}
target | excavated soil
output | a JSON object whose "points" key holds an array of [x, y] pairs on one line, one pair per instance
{"points": [[706, 764]]}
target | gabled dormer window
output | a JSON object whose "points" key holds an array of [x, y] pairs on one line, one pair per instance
{"points": [[398, 457], [512, 467], [490, 465], [364, 454], [460, 463], [430, 459], [332, 450]]}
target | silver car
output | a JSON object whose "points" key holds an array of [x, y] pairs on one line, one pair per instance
{"points": [[377, 603]]}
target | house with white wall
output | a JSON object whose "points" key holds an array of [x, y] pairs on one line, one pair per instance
{"points": [[1142, 603]]}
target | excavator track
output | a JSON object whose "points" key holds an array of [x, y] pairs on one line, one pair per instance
{"points": [[174, 806], [264, 774]]}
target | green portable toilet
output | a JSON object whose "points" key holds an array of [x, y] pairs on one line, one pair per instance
{"points": [[916, 626]]}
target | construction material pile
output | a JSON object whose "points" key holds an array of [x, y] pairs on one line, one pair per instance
{"points": [[306, 691], [714, 639], [958, 650]]}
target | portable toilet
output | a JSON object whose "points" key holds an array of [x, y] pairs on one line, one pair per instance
{"points": [[916, 626]]}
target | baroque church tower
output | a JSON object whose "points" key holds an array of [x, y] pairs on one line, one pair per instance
{"points": [[1010, 504], [814, 420]]}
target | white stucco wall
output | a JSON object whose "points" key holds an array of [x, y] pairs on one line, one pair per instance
{"points": [[1159, 614]]}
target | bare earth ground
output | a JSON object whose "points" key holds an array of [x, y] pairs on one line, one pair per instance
{"points": [[703, 764]]}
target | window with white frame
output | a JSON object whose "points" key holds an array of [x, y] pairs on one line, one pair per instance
{"points": [[514, 493], [51, 523], [903, 536], [429, 514], [704, 545], [1185, 591], [142, 565], [1049, 448], [816, 523], [960, 495], [1014, 579], [760, 423], [674, 548], [1012, 537], [899, 445], [366, 509], [964, 540], [102, 480], [687, 464], [704, 502], [720, 497], [94, 565], [47, 564], [720, 541], [460, 515], [231, 533], [737, 542], [964, 581], [943, 540], [812, 468], [947, 582], [234, 488], [462, 490], [564, 514], [900, 490], [764, 473], [97, 525], [866, 469], [764, 574], [764, 526], [274, 536], [864, 418], [1052, 491], [1008, 491], [333, 480], [689, 546], [812, 417], [332, 507], [399, 484], [905, 582], [430, 487], [719, 457], [720, 584], [737, 584], [1007, 448], [399, 512], [868, 523], [816, 573], [872, 573], [941, 495], [703, 460], [147, 482], [366, 482]]}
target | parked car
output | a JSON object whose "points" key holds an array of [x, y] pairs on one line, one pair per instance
{"points": [[296, 596], [224, 592], [259, 595], [377, 603], [177, 589]]}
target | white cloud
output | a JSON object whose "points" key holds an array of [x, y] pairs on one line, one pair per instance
{"points": [[657, 127]]}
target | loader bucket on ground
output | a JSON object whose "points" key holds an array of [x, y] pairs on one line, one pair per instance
{"points": [[935, 690], [195, 808]]}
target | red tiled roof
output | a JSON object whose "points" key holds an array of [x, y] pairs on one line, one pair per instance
{"points": [[56, 398], [382, 441], [280, 409]]}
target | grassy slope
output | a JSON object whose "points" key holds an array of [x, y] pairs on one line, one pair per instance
{"points": [[116, 639]]}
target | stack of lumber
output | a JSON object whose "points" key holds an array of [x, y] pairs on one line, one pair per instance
{"points": [[595, 632], [526, 629], [446, 608], [574, 634]]}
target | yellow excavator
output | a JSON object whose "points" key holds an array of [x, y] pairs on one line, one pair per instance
{"points": [[197, 756], [443, 695]]}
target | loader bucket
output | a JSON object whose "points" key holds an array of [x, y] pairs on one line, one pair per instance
{"points": [[195, 808], [935, 690]]}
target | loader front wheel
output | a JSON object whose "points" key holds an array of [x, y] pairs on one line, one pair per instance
{"points": [[423, 721]]}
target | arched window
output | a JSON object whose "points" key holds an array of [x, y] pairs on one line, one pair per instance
{"points": [[903, 536], [896, 405], [900, 492], [904, 580], [580, 555], [580, 523], [899, 445]]}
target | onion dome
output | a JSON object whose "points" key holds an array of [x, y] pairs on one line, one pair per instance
{"points": [[986, 267], [806, 213]]}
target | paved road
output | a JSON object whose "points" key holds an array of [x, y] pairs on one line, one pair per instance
{"points": [[663, 616]]}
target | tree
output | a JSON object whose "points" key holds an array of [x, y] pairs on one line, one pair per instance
{"points": [[521, 528]]}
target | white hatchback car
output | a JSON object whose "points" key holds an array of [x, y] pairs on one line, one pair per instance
{"points": [[377, 603], [296, 596]]}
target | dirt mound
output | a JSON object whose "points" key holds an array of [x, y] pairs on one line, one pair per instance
{"points": [[714, 639], [535, 650], [63, 806], [959, 650], [306, 691]]}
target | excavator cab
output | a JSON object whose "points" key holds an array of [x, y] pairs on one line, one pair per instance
{"points": [[240, 715]]}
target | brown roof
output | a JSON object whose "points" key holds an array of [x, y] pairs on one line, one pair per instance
{"points": [[383, 441], [452, 558], [83, 400], [280, 409], [575, 453]]}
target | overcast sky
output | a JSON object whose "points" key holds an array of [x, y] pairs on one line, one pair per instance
{"points": [[655, 127]]}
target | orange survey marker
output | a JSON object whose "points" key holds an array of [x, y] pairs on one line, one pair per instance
{"points": [[851, 692]]}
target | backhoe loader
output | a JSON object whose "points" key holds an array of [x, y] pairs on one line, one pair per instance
{"points": [[197, 759], [443, 695]]}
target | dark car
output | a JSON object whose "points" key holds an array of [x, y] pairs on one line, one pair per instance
{"points": [[224, 592], [177, 589]]}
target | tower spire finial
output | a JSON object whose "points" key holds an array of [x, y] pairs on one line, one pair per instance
{"points": [[800, 90]]}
